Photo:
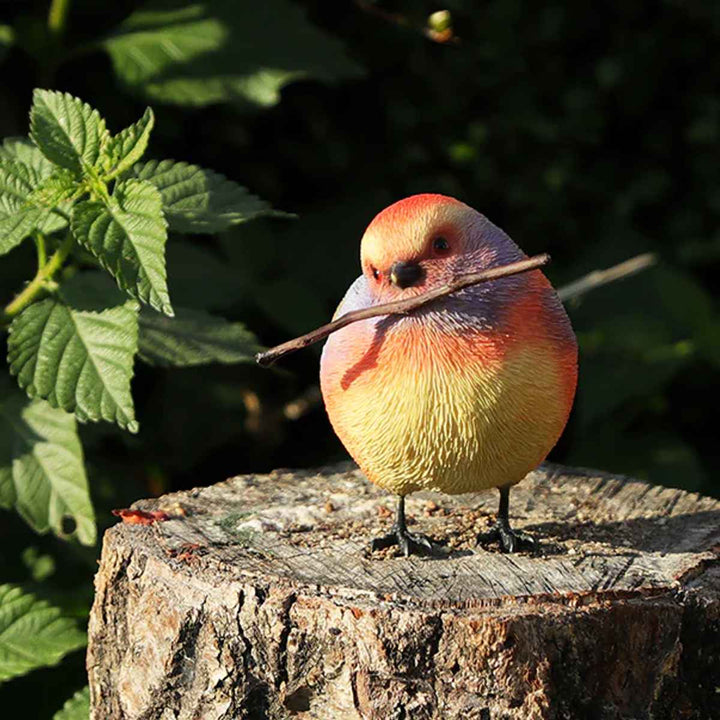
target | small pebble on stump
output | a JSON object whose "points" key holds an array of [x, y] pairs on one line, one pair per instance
{"points": [[258, 598]]}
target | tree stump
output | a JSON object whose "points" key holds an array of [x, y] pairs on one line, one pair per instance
{"points": [[258, 599]]}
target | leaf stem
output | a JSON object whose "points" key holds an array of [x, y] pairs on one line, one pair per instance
{"points": [[41, 250], [37, 284], [57, 17]]}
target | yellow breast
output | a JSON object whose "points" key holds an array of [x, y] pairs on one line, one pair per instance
{"points": [[452, 410]]}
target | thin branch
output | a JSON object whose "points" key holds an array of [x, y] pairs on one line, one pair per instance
{"points": [[601, 277], [400, 307]]}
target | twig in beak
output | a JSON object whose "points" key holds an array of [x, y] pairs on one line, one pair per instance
{"points": [[400, 307]]}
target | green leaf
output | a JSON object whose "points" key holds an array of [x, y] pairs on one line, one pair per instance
{"points": [[222, 51], [25, 152], [15, 227], [76, 708], [197, 200], [67, 130], [55, 191], [128, 236], [18, 216], [16, 181], [42, 474], [128, 146], [193, 338], [33, 633], [30, 187], [76, 351]]}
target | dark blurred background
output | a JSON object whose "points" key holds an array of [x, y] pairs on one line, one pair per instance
{"points": [[588, 131]]}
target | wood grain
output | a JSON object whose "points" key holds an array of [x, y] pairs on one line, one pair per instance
{"points": [[259, 599]]}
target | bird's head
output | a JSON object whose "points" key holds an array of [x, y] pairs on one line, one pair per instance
{"points": [[424, 241]]}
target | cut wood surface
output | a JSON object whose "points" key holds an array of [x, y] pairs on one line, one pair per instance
{"points": [[259, 599]]}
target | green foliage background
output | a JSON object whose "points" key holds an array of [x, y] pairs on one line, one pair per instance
{"points": [[591, 133]]}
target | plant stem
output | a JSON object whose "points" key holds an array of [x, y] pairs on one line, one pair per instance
{"points": [[36, 285], [41, 250], [57, 17]]}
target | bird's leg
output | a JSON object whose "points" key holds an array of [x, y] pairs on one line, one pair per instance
{"points": [[510, 540], [408, 542]]}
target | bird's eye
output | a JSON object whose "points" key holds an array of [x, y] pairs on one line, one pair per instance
{"points": [[376, 273], [440, 245]]}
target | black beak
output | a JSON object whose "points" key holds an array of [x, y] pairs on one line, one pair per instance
{"points": [[406, 274]]}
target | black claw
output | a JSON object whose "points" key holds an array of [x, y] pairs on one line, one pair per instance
{"points": [[409, 543], [510, 540]]}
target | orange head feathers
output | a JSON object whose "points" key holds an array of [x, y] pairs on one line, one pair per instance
{"points": [[430, 238]]}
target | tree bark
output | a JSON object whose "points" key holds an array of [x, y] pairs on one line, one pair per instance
{"points": [[259, 599]]}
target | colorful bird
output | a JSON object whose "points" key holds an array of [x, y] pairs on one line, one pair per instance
{"points": [[467, 393]]}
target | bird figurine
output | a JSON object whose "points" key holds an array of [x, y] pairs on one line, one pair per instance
{"points": [[466, 393]]}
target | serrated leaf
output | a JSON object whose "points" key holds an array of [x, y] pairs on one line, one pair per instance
{"points": [[76, 708], [18, 218], [54, 192], [25, 204], [16, 226], [128, 146], [128, 237], [196, 200], [68, 131], [42, 474], [16, 182], [24, 151], [29, 189], [193, 338], [77, 353], [33, 633], [223, 51]]}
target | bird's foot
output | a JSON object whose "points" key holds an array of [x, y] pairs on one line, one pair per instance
{"points": [[409, 543], [510, 540]]}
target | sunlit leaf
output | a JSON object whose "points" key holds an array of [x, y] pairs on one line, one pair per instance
{"points": [[127, 235], [32, 633], [127, 147], [196, 200], [77, 352], [222, 51], [68, 131], [18, 215], [25, 152], [42, 473]]}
